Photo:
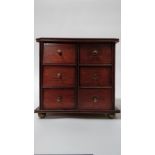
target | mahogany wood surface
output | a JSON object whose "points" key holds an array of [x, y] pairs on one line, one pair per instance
{"points": [[77, 40], [58, 99], [95, 76], [96, 54], [77, 75], [76, 111], [96, 99], [58, 76], [59, 53]]}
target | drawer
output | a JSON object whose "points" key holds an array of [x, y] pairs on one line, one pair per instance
{"points": [[58, 99], [58, 76], [96, 54], [95, 76], [95, 99], [59, 53]]}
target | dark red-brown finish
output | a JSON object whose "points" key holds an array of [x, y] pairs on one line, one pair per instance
{"points": [[96, 54], [95, 76], [58, 76], [77, 75], [59, 53], [58, 99], [98, 99], [77, 40]]}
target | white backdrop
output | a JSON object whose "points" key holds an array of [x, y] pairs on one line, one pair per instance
{"points": [[78, 18]]}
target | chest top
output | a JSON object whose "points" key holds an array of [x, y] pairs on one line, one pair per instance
{"points": [[78, 40]]}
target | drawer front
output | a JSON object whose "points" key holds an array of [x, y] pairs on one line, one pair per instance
{"points": [[95, 99], [95, 76], [59, 53], [58, 76], [96, 54], [58, 99]]}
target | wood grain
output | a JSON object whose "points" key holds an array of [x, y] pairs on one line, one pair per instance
{"points": [[59, 53], [103, 99], [95, 76], [77, 75], [58, 99], [103, 54], [51, 76]]}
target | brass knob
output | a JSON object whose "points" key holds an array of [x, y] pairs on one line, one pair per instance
{"points": [[94, 76], [95, 52], [59, 99], [95, 99], [59, 75], [59, 51]]}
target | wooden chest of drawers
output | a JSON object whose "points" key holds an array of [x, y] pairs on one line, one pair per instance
{"points": [[77, 76]]}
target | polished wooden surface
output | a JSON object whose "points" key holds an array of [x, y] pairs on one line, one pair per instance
{"points": [[96, 99], [96, 54], [58, 99], [95, 76], [59, 53], [77, 40], [58, 76], [77, 75]]}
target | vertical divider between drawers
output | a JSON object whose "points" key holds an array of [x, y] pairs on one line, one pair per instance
{"points": [[77, 76]]}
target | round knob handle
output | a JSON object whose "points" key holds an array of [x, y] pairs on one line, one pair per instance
{"points": [[59, 99], [95, 99], [94, 76], [59, 51], [95, 52], [59, 75]]}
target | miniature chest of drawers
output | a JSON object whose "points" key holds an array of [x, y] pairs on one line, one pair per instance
{"points": [[77, 76]]}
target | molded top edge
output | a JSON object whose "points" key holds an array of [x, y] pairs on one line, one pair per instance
{"points": [[76, 40]]}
